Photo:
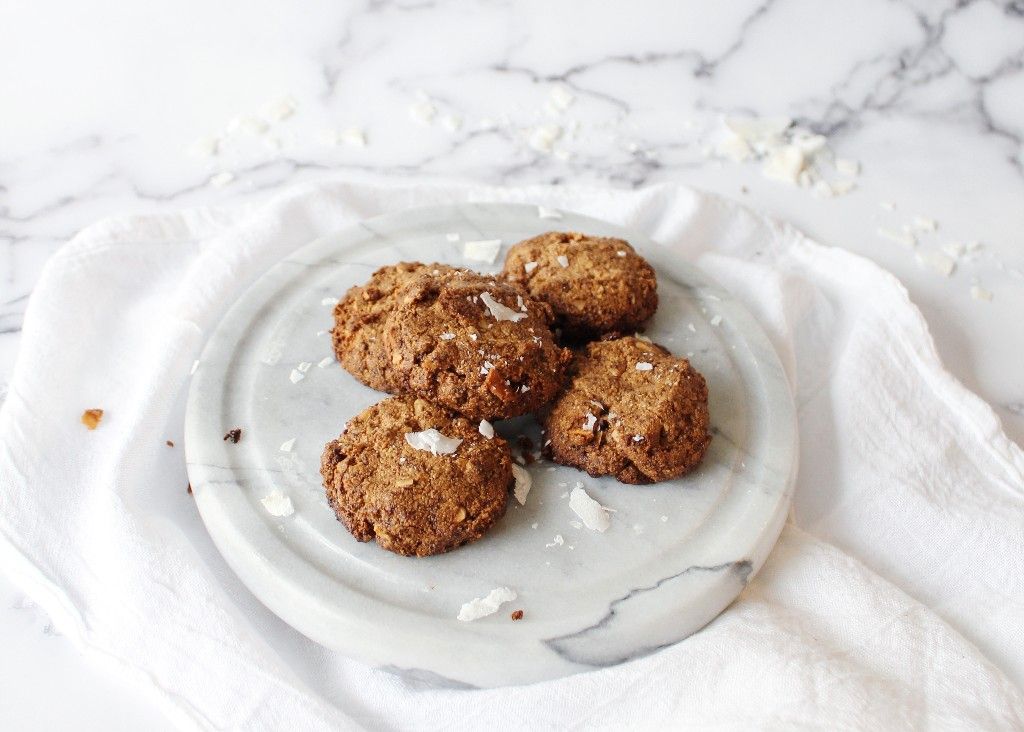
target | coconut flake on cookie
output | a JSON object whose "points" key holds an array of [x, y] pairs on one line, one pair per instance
{"points": [[433, 442], [499, 311]]}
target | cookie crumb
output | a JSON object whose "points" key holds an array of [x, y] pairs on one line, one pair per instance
{"points": [[189, 489], [169, 443], [517, 615], [91, 418], [234, 435]]}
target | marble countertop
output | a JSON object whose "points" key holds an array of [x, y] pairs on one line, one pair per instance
{"points": [[132, 109]]}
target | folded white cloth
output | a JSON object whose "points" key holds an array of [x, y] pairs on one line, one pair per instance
{"points": [[894, 598]]}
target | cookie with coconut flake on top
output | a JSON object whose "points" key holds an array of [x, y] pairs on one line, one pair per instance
{"points": [[359, 320], [474, 344], [594, 285], [631, 410], [416, 478]]}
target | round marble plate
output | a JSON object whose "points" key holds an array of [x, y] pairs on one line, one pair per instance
{"points": [[676, 555]]}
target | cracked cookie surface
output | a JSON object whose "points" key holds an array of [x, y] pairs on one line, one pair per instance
{"points": [[475, 345], [410, 500], [359, 319], [594, 285], [631, 410]]}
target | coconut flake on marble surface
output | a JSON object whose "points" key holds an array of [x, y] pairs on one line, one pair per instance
{"points": [[937, 261], [287, 445], [278, 504], [483, 250], [523, 484], [433, 442], [592, 513], [481, 607], [548, 213]]}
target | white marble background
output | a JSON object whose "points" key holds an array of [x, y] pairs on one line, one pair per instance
{"points": [[115, 107]]}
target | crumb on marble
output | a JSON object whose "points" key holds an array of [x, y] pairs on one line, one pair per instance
{"points": [[234, 435]]}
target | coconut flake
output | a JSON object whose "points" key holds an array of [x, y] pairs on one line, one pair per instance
{"points": [[287, 445], [785, 163], [204, 147], [433, 442], [922, 223], [278, 504], [529, 267], [329, 301], [589, 423], [937, 261], [486, 429], [481, 607], [325, 362], [845, 166], [593, 514], [548, 213], [353, 136], [644, 366], [484, 250], [296, 376], [563, 260], [557, 541], [560, 98], [523, 484], [452, 122], [423, 112], [304, 366], [638, 438], [980, 293], [220, 180], [195, 365], [900, 237], [447, 336], [499, 311], [543, 137]]}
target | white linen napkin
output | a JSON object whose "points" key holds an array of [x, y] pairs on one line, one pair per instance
{"points": [[894, 598]]}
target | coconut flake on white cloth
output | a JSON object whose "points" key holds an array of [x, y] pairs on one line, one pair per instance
{"points": [[529, 267], [486, 429], [482, 250], [644, 366], [548, 213], [278, 504], [433, 442], [592, 513], [481, 607], [523, 483], [563, 260], [499, 311], [287, 445]]}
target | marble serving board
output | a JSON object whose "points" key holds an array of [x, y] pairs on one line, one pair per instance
{"points": [[676, 554]]}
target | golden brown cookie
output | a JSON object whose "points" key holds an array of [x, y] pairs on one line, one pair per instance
{"points": [[632, 410], [475, 345], [359, 318], [595, 285], [416, 477]]}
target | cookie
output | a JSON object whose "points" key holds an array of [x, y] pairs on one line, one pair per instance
{"points": [[594, 285], [475, 345], [359, 318], [631, 410], [416, 478]]}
